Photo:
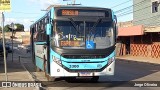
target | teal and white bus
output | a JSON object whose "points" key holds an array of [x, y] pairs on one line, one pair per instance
{"points": [[75, 41]]}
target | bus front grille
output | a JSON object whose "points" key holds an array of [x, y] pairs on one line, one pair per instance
{"points": [[83, 56]]}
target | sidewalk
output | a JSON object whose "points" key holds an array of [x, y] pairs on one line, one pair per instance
{"points": [[139, 59], [15, 72]]}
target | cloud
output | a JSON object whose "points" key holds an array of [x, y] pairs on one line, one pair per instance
{"points": [[45, 3], [10, 20], [26, 21], [26, 29]]}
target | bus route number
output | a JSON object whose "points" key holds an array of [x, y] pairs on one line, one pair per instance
{"points": [[73, 66]]}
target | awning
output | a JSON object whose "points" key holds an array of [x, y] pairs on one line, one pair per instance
{"points": [[152, 29], [131, 31]]}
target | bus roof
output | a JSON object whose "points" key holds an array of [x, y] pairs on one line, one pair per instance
{"points": [[69, 6], [73, 6]]}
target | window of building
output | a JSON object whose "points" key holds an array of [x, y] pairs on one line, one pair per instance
{"points": [[155, 6]]}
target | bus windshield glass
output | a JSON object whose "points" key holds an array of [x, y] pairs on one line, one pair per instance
{"points": [[83, 34]]}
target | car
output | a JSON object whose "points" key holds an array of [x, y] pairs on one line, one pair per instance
{"points": [[8, 48], [21, 46], [28, 49], [1, 51]]}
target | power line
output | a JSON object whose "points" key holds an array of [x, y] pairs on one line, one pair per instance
{"points": [[25, 13], [123, 9], [149, 18], [20, 17], [112, 7], [120, 10], [121, 4], [124, 14], [129, 12], [151, 23]]}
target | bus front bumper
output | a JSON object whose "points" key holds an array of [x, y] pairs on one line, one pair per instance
{"points": [[58, 71]]}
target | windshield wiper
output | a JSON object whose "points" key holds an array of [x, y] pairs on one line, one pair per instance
{"points": [[74, 25], [95, 24]]}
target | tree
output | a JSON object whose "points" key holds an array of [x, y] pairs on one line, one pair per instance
{"points": [[6, 28], [20, 27], [0, 29]]}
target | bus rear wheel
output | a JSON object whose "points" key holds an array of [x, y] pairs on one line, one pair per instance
{"points": [[95, 78]]}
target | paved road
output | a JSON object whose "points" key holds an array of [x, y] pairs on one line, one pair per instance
{"points": [[124, 71]]}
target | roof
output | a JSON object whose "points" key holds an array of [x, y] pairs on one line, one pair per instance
{"points": [[152, 29], [131, 31]]}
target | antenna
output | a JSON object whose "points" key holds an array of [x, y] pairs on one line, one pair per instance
{"points": [[72, 3]]}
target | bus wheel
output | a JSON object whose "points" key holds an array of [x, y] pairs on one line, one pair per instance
{"points": [[70, 79], [45, 71], [95, 78], [50, 78]]}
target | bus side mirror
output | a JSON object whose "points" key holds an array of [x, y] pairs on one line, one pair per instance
{"points": [[116, 28], [48, 29], [115, 17]]}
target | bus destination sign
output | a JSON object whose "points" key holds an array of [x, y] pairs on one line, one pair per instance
{"points": [[77, 12], [69, 12]]}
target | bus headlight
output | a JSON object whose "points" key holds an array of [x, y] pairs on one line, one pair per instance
{"points": [[110, 60], [57, 60]]}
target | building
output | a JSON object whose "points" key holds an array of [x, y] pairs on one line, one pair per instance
{"points": [[140, 41], [146, 12], [141, 37], [19, 38]]}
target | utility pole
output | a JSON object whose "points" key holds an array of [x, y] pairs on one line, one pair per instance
{"points": [[12, 26], [5, 6], [4, 48]]}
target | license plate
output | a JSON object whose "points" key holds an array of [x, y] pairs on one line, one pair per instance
{"points": [[85, 74]]}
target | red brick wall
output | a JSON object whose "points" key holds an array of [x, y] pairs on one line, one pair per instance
{"points": [[155, 52], [146, 46]]}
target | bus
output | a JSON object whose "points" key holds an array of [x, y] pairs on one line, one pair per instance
{"points": [[75, 41]]}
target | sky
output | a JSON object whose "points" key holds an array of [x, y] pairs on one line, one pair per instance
{"points": [[28, 11]]}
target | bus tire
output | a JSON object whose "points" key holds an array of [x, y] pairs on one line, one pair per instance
{"points": [[51, 78], [48, 76], [70, 79], [45, 68], [45, 65], [33, 58], [95, 78]]}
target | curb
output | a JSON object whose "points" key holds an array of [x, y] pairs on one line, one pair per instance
{"points": [[138, 61], [28, 73], [32, 77]]}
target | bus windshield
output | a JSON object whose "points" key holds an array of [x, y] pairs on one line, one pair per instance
{"points": [[83, 34]]}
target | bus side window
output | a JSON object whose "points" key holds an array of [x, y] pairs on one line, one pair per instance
{"points": [[42, 36]]}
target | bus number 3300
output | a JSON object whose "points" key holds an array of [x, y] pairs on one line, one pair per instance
{"points": [[73, 66]]}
